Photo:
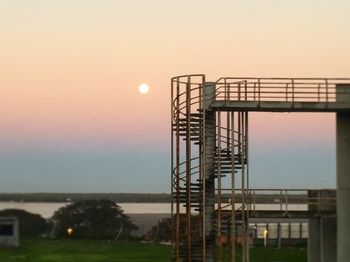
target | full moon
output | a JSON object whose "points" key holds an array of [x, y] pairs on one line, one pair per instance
{"points": [[143, 88]]}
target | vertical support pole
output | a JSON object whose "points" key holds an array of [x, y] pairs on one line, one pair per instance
{"points": [[289, 230], [177, 175], [314, 243], [241, 157], [343, 175], [279, 235], [233, 186], [242, 142], [188, 169], [328, 241], [218, 164], [209, 174], [172, 167], [247, 198]]}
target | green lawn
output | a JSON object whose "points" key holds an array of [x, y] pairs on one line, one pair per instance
{"points": [[36, 250], [278, 255]]}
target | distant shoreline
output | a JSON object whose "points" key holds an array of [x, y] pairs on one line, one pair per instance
{"points": [[75, 197], [122, 197]]}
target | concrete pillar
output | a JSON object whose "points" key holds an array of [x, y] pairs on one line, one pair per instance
{"points": [[328, 239], [343, 176], [279, 238], [314, 243], [210, 148]]}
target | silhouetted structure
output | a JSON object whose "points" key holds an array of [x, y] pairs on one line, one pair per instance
{"points": [[211, 198], [9, 231]]}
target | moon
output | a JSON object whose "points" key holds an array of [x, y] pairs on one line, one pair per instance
{"points": [[143, 88]]}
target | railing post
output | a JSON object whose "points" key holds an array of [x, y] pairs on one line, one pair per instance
{"points": [[254, 91], [259, 90], [281, 200], [226, 90], [318, 202], [286, 196], [229, 91], [293, 90], [239, 91], [254, 201], [326, 80]]}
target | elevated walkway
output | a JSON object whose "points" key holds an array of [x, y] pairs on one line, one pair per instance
{"points": [[282, 94]]}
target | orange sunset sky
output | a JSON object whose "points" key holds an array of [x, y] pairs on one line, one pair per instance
{"points": [[72, 119]]}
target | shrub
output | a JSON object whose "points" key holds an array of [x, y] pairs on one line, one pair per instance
{"points": [[94, 219]]}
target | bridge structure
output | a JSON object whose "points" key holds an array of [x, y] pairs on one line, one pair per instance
{"points": [[212, 201]]}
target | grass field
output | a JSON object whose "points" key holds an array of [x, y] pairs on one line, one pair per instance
{"points": [[37, 250]]}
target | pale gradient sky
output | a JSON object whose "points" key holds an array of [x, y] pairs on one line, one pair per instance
{"points": [[71, 118]]}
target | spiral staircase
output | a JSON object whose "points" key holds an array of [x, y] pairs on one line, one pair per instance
{"points": [[209, 163]]}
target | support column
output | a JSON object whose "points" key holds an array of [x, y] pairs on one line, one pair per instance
{"points": [[314, 243], [328, 240], [343, 176], [209, 192]]}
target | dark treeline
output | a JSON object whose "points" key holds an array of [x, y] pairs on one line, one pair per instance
{"points": [[75, 197]]}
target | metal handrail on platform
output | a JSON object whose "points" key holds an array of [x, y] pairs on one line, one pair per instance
{"points": [[280, 89], [286, 200]]}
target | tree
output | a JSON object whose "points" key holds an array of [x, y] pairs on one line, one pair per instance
{"points": [[29, 223], [95, 219], [161, 231]]}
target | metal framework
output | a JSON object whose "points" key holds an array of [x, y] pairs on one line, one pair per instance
{"points": [[211, 198]]}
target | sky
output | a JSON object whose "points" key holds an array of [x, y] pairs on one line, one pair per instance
{"points": [[72, 119]]}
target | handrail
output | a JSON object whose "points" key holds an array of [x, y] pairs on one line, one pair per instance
{"points": [[284, 198], [279, 89]]}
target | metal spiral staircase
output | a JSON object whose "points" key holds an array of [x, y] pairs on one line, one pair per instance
{"points": [[209, 174]]}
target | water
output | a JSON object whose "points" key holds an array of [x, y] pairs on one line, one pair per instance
{"points": [[47, 209]]}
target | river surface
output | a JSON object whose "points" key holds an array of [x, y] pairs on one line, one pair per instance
{"points": [[46, 209]]}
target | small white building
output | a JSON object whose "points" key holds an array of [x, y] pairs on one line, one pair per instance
{"points": [[9, 232]]}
